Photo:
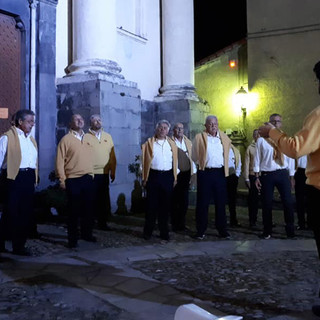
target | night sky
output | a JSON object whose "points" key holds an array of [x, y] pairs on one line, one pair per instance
{"points": [[217, 25]]}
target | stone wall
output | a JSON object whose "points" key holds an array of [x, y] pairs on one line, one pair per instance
{"points": [[120, 109], [189, 112]]}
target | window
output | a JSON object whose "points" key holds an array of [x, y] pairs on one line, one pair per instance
{"points": [[130, 17]]}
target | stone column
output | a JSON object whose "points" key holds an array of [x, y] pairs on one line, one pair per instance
{"points": [[178, 49], [94, 38]]}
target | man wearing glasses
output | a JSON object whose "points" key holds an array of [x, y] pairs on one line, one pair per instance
{"points": [[272, 169]]}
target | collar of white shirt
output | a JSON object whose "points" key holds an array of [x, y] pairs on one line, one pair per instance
{"points": [[77, 135], [21, 133]]}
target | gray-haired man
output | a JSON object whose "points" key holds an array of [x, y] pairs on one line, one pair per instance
{"points": [[159, 174]]}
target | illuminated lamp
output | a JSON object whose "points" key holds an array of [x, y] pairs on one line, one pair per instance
{"points": [[242, 96], [232, 63]]}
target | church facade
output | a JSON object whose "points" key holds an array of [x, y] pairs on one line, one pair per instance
{"points": [[132, 61]]}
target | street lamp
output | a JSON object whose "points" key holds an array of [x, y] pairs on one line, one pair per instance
{"points": [[242, 96]]}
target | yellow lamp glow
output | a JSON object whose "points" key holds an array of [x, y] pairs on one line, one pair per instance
{"points": [[232, 63]]}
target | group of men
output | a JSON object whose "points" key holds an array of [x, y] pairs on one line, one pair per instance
{"points": [[85, 163], [167, 166]]}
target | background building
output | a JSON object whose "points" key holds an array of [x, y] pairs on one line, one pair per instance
{"points": [[274, 66]]}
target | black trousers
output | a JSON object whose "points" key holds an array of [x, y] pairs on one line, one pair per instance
{"points": [[159, 196], [253, 201], [80, 205], [301, 197], [211, 183], [102, 198], [18, 209], [279, 179], [313, 196], [180, 201], [232, 186]]}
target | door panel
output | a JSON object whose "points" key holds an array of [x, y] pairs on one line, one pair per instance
{"points": [[10, 70]]}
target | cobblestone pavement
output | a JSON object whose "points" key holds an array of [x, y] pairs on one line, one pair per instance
{"points": [[125, 277]]}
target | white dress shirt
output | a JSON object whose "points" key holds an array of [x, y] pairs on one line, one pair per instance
{"points": [[77, 135], [232, 164], [28, 151], [263, 160], [162, 156], [214, 152], [302, 162], [182, 145], [97, 134]]}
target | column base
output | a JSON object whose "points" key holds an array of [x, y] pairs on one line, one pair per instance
{"points": [[177, 92], [93, 66]]}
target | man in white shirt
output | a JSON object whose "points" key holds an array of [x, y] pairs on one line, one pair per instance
{"points": [[232, 184], [210, 151], [159, 174], [272, 169], [301, 193], [249, 176], [187, 168], [18, 161]]}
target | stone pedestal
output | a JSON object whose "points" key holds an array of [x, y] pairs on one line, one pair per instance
{"points": [[189, 112], [120, 107]]}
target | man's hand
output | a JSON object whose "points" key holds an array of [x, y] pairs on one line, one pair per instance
{"points": [[62, 185], [248, 184], [112, 177], [258, 184], [144, 183], [174, 183], [264, 130]]}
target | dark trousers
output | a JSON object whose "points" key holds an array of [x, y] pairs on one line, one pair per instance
{"points": [[301, 197], [18, 208], [313, 196], [279, 179], [232, 186], [80, 205], [211, 183], [253, 201], [180, 201], [159, 196], [102, 198]]}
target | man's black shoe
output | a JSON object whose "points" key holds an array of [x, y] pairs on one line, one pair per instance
{"points": [[72, 244], [316, 310], [235, 224], [22, 252], [3, 248], [224, 235], [146, 237], [265, 236], [89, 238], [104, 227]]}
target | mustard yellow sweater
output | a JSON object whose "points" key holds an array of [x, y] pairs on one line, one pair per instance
{"points": [[104, 158], [304, 142], [14, 154], [74, 158]]}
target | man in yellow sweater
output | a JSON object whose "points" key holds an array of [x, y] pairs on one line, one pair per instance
{"points": [[304, 142], [104, 168], [210, 151], [74, 168], [159, 174], [18, 161]]}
